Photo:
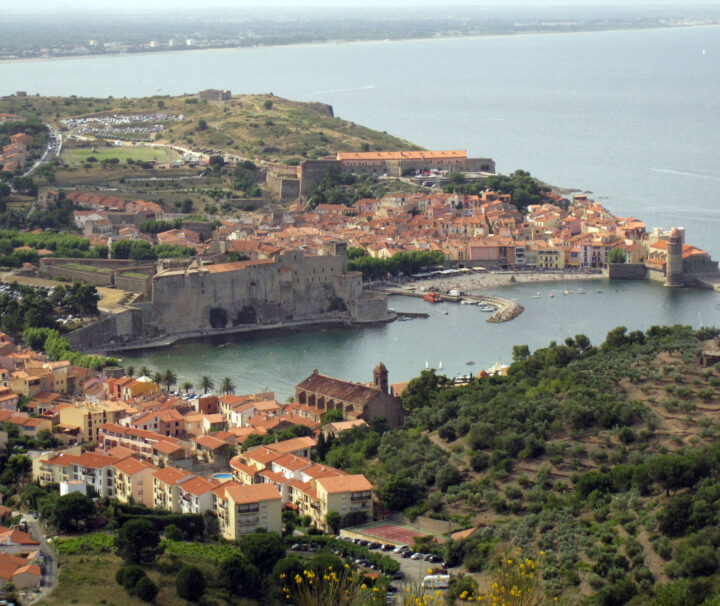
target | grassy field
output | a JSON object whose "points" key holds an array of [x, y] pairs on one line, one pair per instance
{"points": [[91, 268], [89, 580], [78, 156], [253, 126]]}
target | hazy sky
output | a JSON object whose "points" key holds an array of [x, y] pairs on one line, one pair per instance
{"points": [[46, 6]]}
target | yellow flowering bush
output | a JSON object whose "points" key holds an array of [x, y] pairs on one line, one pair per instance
{"points": [[517, 583], [339, 588], [417, 595]]}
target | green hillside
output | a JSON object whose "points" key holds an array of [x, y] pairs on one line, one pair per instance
{"points": [[254, 126]]}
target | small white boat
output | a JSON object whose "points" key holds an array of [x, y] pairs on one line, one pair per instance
{"points": [[567, 292], [440, 365], [598, 291], [427, 365], [470, 362]]}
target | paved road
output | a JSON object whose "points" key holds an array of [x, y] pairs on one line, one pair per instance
{"points": [[53, 149], [50, 577]]}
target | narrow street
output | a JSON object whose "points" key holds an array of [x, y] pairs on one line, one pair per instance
{"points": [[50, 574]]}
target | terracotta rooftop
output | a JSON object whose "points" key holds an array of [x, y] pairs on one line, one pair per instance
{"points": [[354, 483], [338, 389]]}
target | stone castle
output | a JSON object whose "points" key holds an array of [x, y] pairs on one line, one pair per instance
{"points": [[198, 299]]}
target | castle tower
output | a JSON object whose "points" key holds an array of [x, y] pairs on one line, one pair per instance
{"points": [[674, 261], [380, 377]]}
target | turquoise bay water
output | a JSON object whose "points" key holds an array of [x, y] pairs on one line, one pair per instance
{"points": [[278, 361], [631, 116]]}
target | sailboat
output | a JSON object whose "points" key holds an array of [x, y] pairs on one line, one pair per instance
{"points": [[440, 365]]}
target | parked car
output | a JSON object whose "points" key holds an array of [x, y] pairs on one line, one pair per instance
{"points": [[417, 556]]}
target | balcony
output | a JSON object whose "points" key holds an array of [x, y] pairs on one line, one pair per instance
{"points": [[246, 521]]}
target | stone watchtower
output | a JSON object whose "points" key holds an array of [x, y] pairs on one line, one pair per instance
{"points": [[674, 261], [380, 378]]}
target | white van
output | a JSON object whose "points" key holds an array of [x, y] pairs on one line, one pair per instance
{"points": [[436, 581]]}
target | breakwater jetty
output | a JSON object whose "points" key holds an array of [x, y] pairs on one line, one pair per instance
{"points": [[505, 309]]}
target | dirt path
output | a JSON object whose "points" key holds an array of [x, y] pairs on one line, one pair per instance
{"points": [[654, 562]]}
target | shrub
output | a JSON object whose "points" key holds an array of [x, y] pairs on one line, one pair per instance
{"points": [[173, 533], [146, 590], [190, 583], [128, 576]]}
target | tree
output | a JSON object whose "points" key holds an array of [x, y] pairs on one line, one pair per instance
{"points": [[331, 416], [240, 577], [400, 492], [130, 371], [617, 255], [227, 386], [144, 371], [520, 353], [121, 249], [71, 510], [190, 583], [216, 163], [169, 379], [262, 549], [187, 386], [202, 124], [206, 384], [332, 519], [137, 541]]}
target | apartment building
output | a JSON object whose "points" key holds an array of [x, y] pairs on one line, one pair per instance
{"points": [[90, 416], [94, 469], [244, 508], [166, 487], [195, 495], [134, 481]]}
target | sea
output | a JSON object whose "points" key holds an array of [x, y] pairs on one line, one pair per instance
{"points": [[630, 116]]}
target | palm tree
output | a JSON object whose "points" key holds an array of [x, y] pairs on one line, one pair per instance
{"points": [[187, 386], [227, 386], [169, 378], [206, 384], [130, 371], [157, 378], [144, 371]]}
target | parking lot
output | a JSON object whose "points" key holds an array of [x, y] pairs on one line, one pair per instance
{"points": [[412, 571]]}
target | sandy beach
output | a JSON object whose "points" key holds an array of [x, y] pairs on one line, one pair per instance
{"points": [[473, 282]]}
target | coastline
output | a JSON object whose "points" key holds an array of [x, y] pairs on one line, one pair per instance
{"points": [[474, 282], [291, 326], [310, 43]]}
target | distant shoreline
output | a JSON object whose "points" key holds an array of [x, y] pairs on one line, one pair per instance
{"points": [[358, 41]]}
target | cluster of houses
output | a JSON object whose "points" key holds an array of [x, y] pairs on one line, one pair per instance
{"points": [[484, 230], [126, 438], [16, 155]]}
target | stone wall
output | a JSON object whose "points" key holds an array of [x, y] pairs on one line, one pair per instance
{"points": [[314, 171], [107, 331], [369, 308], [626, 271], [73, 275], [141, 286]]}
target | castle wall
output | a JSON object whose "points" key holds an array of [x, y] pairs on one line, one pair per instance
{"points": [[314, 171], [291, 287], [626, 271]]}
